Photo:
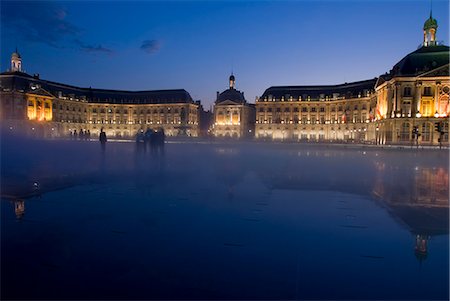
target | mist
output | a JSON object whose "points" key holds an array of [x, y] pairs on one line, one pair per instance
{"points": [[222, 219]]}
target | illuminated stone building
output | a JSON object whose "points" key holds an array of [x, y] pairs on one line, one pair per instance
{"points": [[315, 113], [52, 109], [415, 93], [384, 110], [233, 116]]}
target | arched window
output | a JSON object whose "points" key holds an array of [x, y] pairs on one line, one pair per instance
{"points": [[445, 136], [405, 132], [426, 132]]}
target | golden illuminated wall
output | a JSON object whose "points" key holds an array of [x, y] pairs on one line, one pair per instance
{"points": [[382, 104], [228, 115], [443, 106], [39, 108], [327, 119], [427, 106], [233, 120]]}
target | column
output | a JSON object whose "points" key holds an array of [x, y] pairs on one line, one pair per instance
{"points": [[417, 96]]}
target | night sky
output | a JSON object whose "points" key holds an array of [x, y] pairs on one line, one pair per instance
{"points": [[149, 45]]}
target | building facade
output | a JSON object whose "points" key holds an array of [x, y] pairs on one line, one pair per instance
{"points": [[233, 115], [407, 105], [415, 95], [50, 109], [400, 107], [315, 113]]}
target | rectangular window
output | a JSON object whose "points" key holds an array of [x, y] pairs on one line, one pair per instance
{"points": [[407, 91]]}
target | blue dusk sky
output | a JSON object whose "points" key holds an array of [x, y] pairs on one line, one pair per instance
{"points": [[194, 45]]}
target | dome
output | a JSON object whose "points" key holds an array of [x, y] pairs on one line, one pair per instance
{"points": [[422, 60], [232, 95], [232, 77], [15, 55], [430, 23]]}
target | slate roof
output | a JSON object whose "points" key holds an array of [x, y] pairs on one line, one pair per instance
{"points": [[422, 60], [231, 94], [347, 90], [19, 81]]}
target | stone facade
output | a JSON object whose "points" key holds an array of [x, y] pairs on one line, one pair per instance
{"points": [[54, 110]]}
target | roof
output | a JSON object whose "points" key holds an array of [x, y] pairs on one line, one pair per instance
{"points": [[422, 60], [347, 90], [19, 81], [232, 95], [430, 23]]}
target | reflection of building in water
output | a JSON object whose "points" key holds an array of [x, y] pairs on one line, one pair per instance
{"points": [[229, 169], [423, 208], [421, 249], [421, 187], [431, 187], [19, 208]]}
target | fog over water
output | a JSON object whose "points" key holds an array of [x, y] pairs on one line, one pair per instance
{"points": [[222, 220]]}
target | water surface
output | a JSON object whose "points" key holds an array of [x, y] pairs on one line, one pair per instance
{"points": [[223, 221]]}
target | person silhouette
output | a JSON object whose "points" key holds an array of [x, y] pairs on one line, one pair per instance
{"points": [[102, 138], [161, 137]]}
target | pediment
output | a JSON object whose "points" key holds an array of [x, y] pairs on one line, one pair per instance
{"points": [[227, 103], [441, 71], [40, 91]]}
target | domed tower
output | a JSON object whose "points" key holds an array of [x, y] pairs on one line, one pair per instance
{"points": [[232, 81], [16, 62], [429, 31]]}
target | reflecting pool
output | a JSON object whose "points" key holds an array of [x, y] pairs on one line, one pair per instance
{"points": [[223, 221]]}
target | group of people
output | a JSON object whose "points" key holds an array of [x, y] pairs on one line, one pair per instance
{"points": [[82, 135], [152, 138]]}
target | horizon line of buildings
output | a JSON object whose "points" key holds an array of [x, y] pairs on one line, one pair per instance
{"points": [[401, 106]]}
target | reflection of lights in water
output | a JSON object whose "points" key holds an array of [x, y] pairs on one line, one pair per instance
{"points": [[19, 208], [421, 248], [226, 151]]}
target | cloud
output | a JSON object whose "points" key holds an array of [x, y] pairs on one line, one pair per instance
{"points": [[151, 46], [43, 22], [38, 21], [93, 49]]}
